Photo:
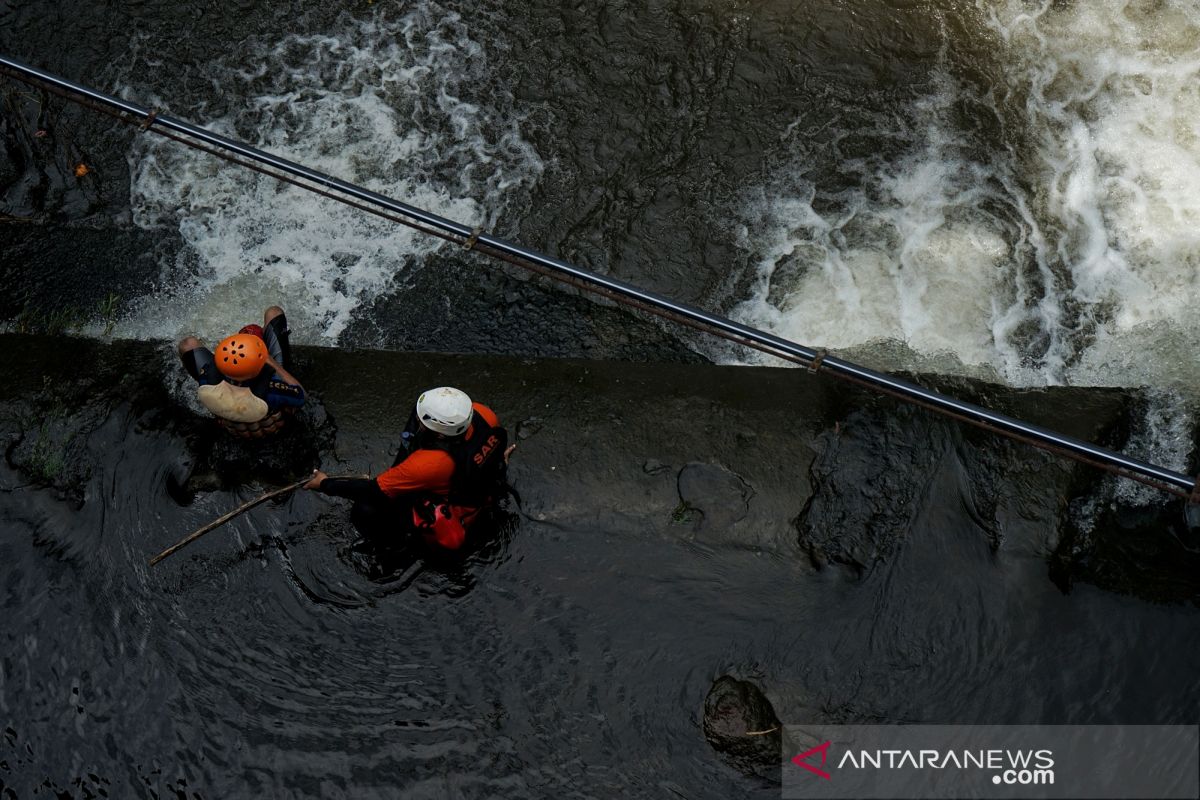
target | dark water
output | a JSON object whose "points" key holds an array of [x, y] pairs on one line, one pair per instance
{"points": [[677, 524], [857, 561]]}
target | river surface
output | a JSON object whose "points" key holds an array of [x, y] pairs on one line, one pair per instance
{"points": [[860, 563], [999, 190]]}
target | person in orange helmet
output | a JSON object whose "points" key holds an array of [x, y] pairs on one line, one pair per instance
{"points": [[245, 383], [451, 466]]}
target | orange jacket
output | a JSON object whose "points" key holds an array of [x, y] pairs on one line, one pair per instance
{"points": [[427, 470]]}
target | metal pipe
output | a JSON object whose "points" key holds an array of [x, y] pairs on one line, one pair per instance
{"points": [[767, 341]]}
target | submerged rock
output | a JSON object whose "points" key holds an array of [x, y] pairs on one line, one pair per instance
{"points": [[712, 497], [48, 446], [1127, 538], [879, 470]]}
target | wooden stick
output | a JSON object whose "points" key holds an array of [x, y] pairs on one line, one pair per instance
{"points": [[244, 507]]}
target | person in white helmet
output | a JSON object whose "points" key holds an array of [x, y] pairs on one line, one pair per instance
{"points": [[451, 465]]}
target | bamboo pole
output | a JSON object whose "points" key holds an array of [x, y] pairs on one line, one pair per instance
{"points": [[243, 508]]}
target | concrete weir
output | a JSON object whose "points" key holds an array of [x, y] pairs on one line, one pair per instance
{"points": [[774, 461]]}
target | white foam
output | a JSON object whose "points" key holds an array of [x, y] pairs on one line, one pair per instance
{"points": [[909, 256], [1091, 278], [1113, 93], [379, 103]]}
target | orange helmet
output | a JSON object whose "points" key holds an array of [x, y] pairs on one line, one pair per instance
{"points": [[241, 356]]}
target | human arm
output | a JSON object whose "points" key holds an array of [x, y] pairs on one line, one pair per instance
{"points": [[283, 389], [283, 374], [423, 471], [350, 488]]}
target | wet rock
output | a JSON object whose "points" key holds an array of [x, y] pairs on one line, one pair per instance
{"points": [[12, 155], [653, 466], [712, 497], [740, 724], [508, 315], [9, 171], [788, 274], [178, 482], [1125, 538], [878, 470], [1150, 552], [529, 427], [49, 447]]}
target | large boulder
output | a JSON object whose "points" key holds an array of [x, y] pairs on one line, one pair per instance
{"points": [[740, 724]]}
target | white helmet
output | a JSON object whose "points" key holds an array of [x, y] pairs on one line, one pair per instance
{"points": [[445, 410]]}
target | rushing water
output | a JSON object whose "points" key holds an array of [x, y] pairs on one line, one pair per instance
{"points": [[996, 189], [1037, 220], [381, 102]]}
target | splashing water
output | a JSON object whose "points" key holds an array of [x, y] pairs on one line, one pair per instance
{"points": [[381, 103], [1163, 434], [1067, 255], [910, 253]]}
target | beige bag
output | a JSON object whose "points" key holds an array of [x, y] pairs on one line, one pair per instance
{"points": [[234, 403]]}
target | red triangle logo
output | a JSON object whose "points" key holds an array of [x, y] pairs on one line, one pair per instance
{"points": [[823, 749]]}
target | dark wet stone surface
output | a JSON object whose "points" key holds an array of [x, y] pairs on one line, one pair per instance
{"points": [[498, 310], [875, 475], [740, 723], [62, 292], [715, 498], [883, 470], [1152, 553]]}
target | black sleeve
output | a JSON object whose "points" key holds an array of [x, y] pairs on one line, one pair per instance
{"points": [[408, 439], [354, 489]]}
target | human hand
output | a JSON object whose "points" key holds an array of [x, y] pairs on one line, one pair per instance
{"points": [[281, 373], [315, 482], [508, 451]]}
